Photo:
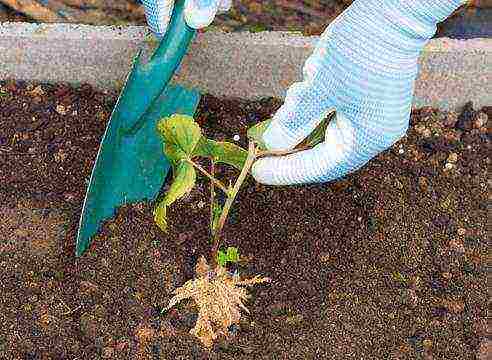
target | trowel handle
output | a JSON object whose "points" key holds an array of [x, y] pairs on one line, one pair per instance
{"points": [[175, 42], [147, 81]]}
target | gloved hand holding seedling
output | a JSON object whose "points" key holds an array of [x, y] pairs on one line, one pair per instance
{"points": [[216, 291], [364, 67]]}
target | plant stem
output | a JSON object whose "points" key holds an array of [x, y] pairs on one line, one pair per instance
{"points": [[280, 152], [205, 172], [212, 197], [230, 199]]}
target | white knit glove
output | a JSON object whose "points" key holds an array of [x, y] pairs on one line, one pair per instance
{"points": [[364, 67]]}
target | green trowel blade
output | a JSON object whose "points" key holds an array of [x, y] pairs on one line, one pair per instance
{"points": [[131, 165]]}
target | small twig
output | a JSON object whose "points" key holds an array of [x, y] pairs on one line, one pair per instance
{"points": [[71, 311], [66, 306], [230, 199], [205, 172], [34, 10]]}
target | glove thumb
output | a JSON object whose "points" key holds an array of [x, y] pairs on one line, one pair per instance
{"points": [[158, 14], [323, 162]]}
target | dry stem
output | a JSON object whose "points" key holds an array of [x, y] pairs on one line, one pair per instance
{"points": [[266, 153], [211, 177], [212, 196]]}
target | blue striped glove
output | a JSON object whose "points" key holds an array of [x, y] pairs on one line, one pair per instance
{"points": [[198, 13], [363, 67]]}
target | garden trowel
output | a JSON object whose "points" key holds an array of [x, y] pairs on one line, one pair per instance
{"points": [[130, 165]]}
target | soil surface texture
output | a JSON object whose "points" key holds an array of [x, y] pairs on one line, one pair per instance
{"points": [[387, 263]]}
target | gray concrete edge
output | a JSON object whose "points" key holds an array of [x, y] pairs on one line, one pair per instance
{"points": [[244, 65]]}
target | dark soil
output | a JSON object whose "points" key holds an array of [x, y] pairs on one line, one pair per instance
{"points": [[388, 263]]}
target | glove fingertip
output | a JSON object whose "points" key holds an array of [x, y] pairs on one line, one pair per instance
{"points": [[261, 172], [275, 137], [199, 17]]}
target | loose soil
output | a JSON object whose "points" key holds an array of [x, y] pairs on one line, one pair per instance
{"points": [[387, 263]]}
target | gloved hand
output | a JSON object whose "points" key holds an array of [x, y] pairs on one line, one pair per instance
{"points": [[198, 13], [364, 67]]}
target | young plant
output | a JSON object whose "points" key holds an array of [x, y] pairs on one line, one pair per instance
{"points": [[218, 294]]}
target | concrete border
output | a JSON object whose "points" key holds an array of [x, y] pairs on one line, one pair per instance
{"points": [[234, 65]]}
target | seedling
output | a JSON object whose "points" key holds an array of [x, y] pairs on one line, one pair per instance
{"points": [[218, 294]]}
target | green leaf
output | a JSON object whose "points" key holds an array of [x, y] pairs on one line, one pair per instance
{"points": [[181, 135], [222, 258], [173, 155], [183, 182], [160, 215], [228, 153], [317, 136], [232, 254], [255, 133], [203, 148], [222, 152]]}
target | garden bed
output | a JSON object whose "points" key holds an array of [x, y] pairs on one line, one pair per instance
{"points": [[389, 262]]}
